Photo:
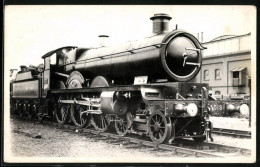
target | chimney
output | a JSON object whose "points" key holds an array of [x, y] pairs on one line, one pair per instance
{"points": [[201, 37], [160, 23], [103, 40]]}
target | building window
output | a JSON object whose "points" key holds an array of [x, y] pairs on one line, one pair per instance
{"points": [[236, 74], [206, 75], [217, 92], [217, 74], [239, 76]]}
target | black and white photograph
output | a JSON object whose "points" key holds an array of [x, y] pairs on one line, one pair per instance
{"points": [[129, 84]]}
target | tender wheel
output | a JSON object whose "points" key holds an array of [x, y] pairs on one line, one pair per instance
{"points": [[160, 127], [100, 122], [22, 110], [16, 108], [30, 112], [12, 108], [78, 117], [61, 113]]}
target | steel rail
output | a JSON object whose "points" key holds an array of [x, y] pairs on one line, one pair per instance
{"points": [[225, 149], [140, 142], [177, 149], [232, 132]]}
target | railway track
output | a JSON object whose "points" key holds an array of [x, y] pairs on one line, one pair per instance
{"points": [[232, 132], [185, 148]]}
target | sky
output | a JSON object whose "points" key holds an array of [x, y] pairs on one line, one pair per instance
{"points": [[32, 31]]}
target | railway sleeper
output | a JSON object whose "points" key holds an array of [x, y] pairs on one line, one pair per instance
{"points": [[32, 135], [133, 145], [116, 141]]}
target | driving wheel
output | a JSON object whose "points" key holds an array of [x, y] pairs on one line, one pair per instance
{"points": [[99, 122], [78, 115]]}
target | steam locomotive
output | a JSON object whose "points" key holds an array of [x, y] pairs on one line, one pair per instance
{"points": [[140, 87]]}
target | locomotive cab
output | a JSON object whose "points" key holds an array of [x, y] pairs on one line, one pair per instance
{"points": [[54, 67], [50, 65]]}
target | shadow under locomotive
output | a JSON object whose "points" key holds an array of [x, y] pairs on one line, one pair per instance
{"points": [[141, 87]]}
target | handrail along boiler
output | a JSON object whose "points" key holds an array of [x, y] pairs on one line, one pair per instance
{"points": [[140, 87]]}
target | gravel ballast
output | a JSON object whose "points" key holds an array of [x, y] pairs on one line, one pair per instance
{"points": [[35, 140]]}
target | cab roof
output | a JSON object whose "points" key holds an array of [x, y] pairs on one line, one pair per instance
{"points": [[53, 51]]}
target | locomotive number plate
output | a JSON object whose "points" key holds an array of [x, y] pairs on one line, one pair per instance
{"points": [[140, 80]]}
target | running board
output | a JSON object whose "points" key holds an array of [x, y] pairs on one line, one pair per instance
{"points": [[90, 103]]}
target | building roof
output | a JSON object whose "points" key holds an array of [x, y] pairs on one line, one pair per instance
{"points": [[223, 37], [238, 69]]}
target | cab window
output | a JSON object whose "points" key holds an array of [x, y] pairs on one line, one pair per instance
{"points": [[53, 59], [63, 56]]}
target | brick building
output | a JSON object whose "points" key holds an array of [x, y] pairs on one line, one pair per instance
{"points": [[226, 65]]}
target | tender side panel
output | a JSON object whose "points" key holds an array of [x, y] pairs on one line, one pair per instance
{"points": [[27, 89], [24, 75]]}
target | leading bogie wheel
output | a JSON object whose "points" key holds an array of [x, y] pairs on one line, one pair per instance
{"points": [[121, 126], [159, 127]]}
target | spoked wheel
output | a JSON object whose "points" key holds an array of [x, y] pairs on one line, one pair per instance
{"points": [[78, 115], [30, 112], [160, 127], [100, 122], [12, 108], [61, 113], [121, 126], [16, 108], [22, 110]]}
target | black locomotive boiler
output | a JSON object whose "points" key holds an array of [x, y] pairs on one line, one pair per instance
{"points": [[138, 87]]}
